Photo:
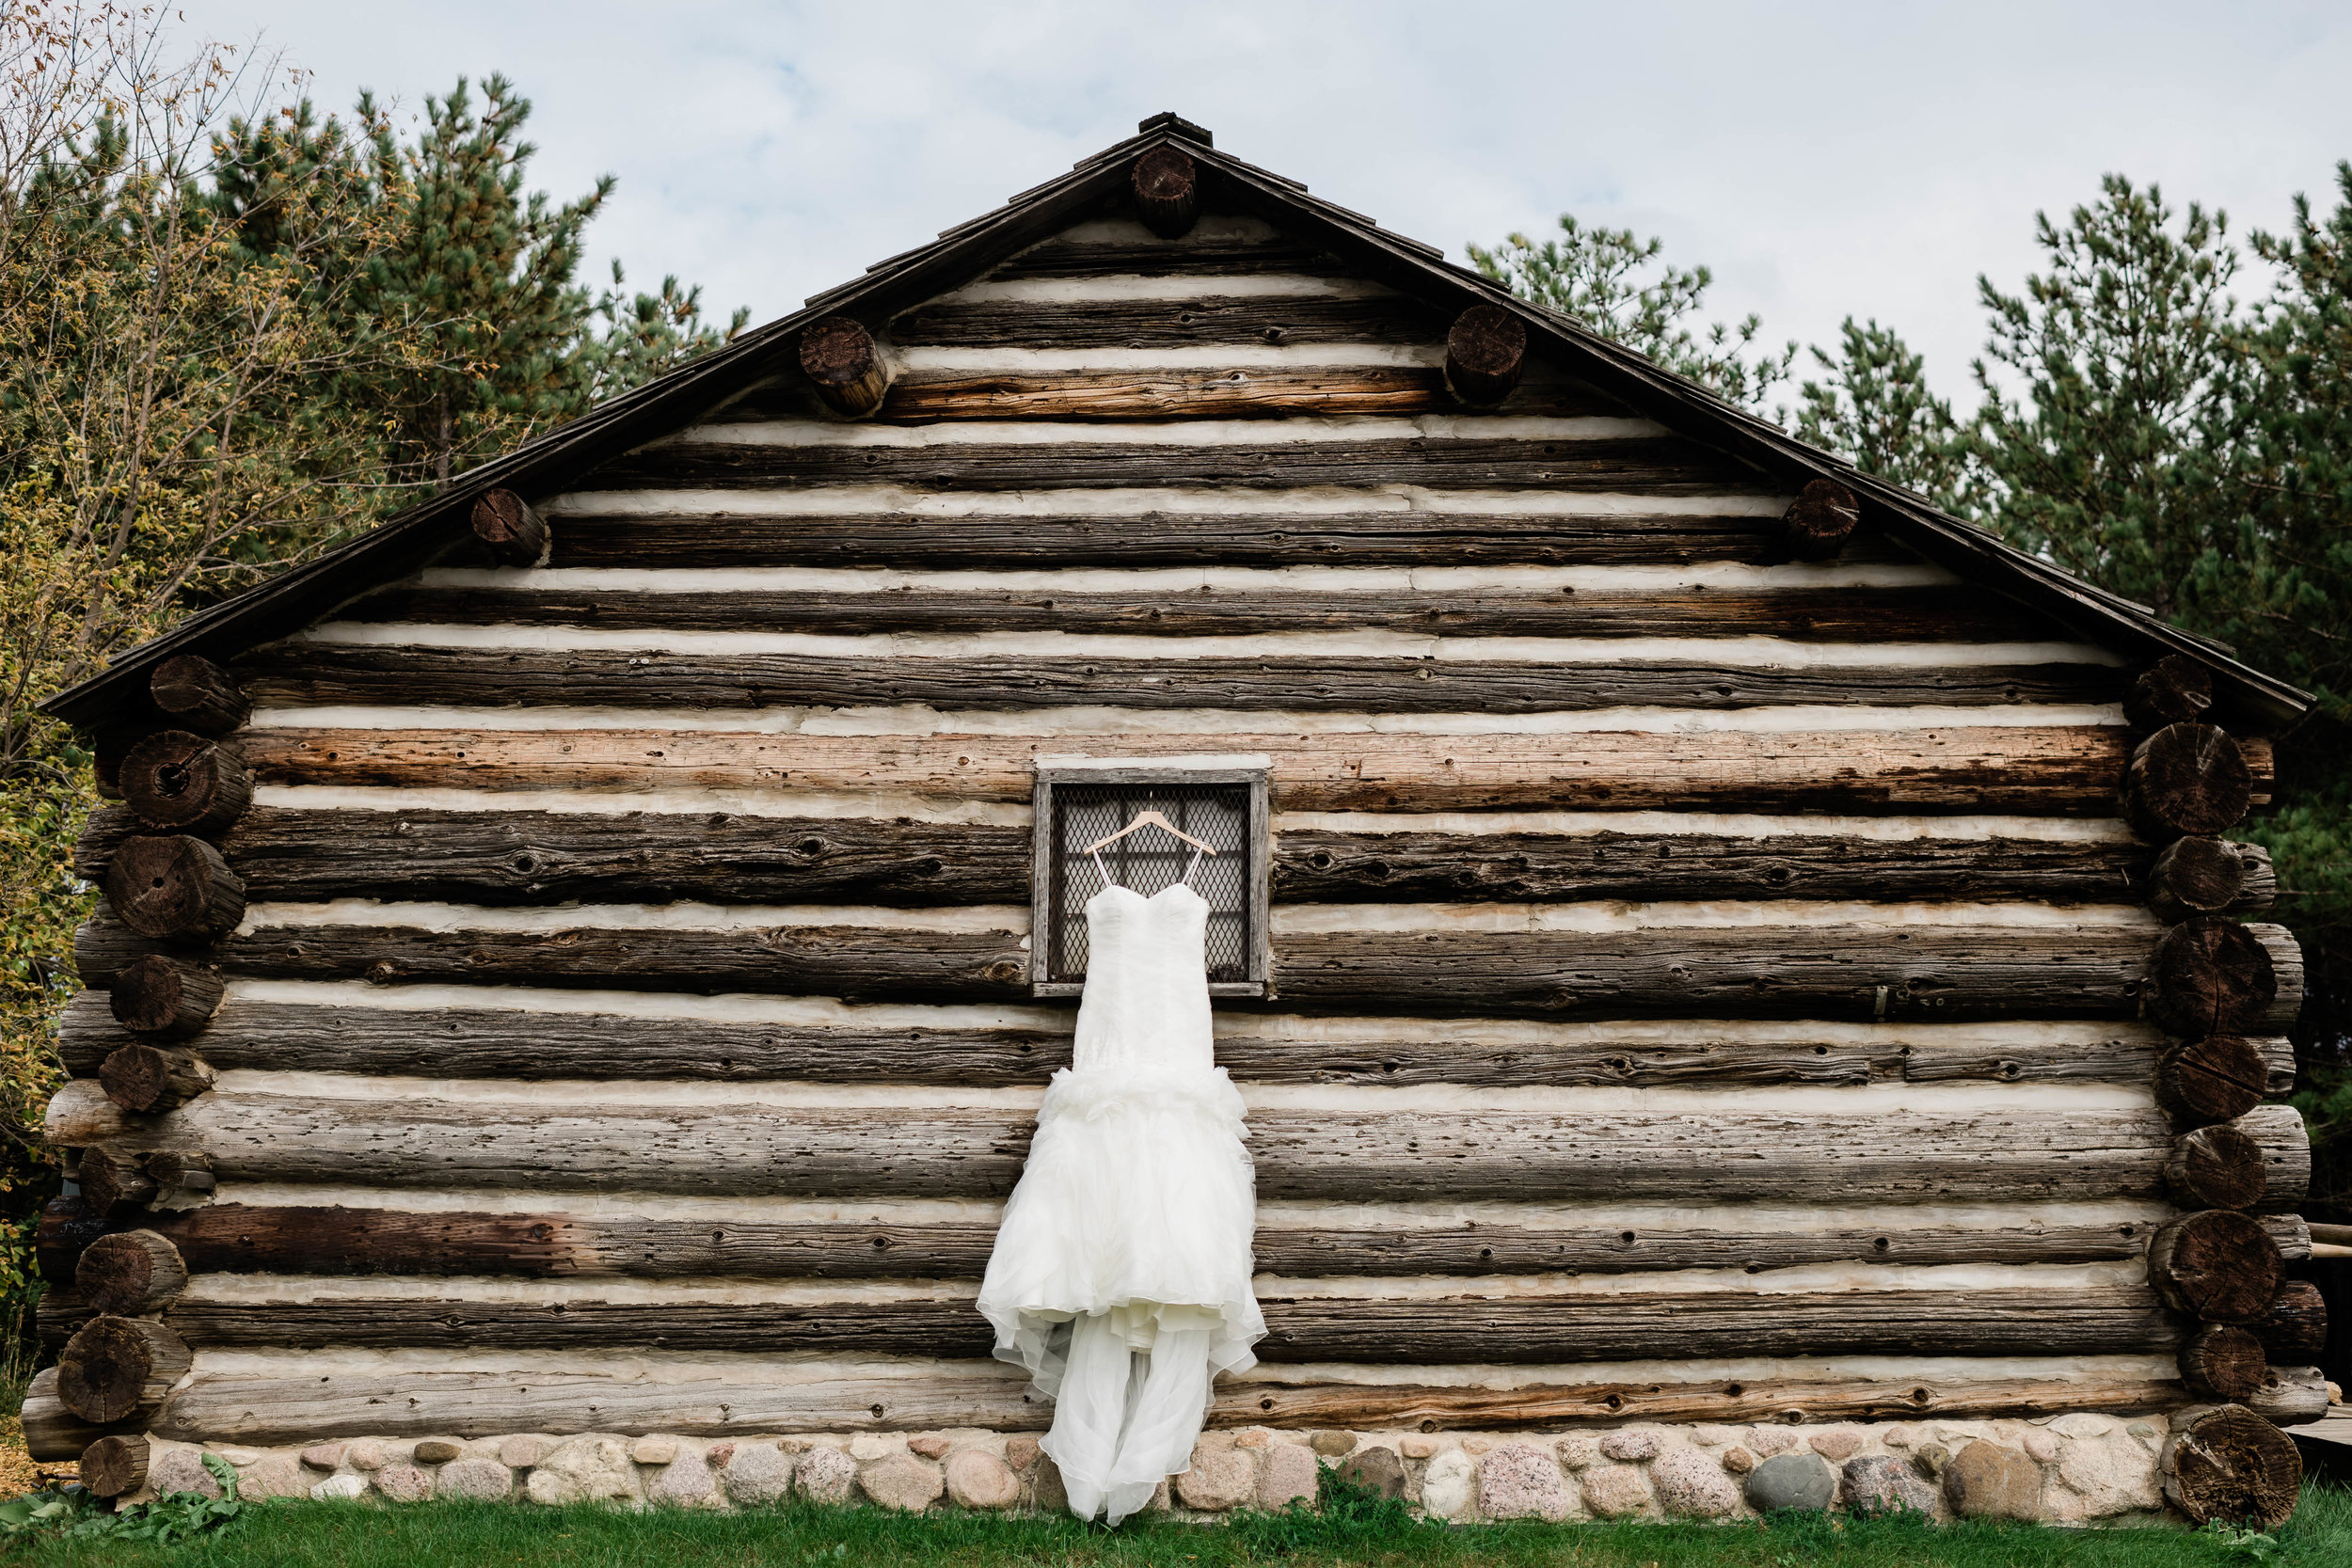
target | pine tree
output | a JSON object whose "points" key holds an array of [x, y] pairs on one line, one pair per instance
{"points": [[1597, 277], [644, 334], [2114, 389], [485, 274], [1873, 408]]}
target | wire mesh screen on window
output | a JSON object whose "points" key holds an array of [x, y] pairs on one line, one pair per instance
{"points": [[1150, 859]]}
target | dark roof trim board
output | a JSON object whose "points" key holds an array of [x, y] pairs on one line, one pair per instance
{"points": [[405, 542]]}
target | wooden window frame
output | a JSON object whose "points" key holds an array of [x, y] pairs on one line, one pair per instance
{"points": [[1256, 840]]}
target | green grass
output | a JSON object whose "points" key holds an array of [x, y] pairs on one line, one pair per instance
{"points": [[430, 1535]]}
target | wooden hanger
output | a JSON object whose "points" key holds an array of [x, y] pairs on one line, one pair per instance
{"points": [[1149, 819]]}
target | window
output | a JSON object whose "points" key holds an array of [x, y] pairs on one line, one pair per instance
{"points": [[1078, 802]]}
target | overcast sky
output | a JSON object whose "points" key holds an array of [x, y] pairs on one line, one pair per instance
{"points": [[1823, 159]]}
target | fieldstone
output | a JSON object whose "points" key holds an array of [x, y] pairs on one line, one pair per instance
{"points": [[1838, 1444], [1332, 1444], [1576, 1453], [825, 1475], [2111, 1474], [1290, 1472], [1020, 1453], [1380, 1469], [1899, 1438], [1616, 1491], [1931, 1458], [438, 1450], [324, 1456], [2082, 1423], [977, 1478], [478, 1480], [869, 1445], [1476, 1445], [180, 1470], [903, 1481], [1792, 1481], [1158, 1502], [930, 1446], [522, 1452], [1254, 1437], [273, 1475], [795, 1446], [1418, 1447], [1767, 1441], [654, 1451], [1632, 1446], [686, 1481], [756, 1472], [1986, 1480], [1713, 1436], [365, 1454], [1738, 1460], [1220, 1477], [1519, 1480], [2142, 1431], [1445, 1488], [404, 1483], [1692, 1485], [339, 1489], [1047, 1494], [586, 1470], [2044, 1447], [239, 1457], [1880, 1483]]}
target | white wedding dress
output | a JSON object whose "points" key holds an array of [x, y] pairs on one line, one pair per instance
{"points": [[1120, 1276]]}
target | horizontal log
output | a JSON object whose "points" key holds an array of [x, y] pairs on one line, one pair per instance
{"points": [[1146, 324], [194, 693], [227, 1237], [337, 673], [52, 1433], [1630, 1325], [1855, 973], [1394, 538], [534, 857], [1155, 393], [514, 1042], [1198, 255], [1341, 1154], [1635, 466], [2054, 769], [1838, 614], [314, 1405]]}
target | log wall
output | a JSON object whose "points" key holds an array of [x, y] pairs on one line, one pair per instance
{"points": [[1689, 952]]}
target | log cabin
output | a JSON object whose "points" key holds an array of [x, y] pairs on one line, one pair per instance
{"points": [[1743, 984]]}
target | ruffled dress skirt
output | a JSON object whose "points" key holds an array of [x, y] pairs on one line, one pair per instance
{"points": [[1121, 1273]]}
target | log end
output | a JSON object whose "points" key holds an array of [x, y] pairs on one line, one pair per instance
{"points": [[2224, 1462], [1821, 519], [1485, 354], [2173, 691], [174, 888], [160, 997], [178, 778], [1166, 186], [510, 528], [198, 694], [845, 365], [115, 1464], [2187, 778]]}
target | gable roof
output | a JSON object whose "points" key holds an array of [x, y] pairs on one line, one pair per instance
{"points": [[409, 540]]}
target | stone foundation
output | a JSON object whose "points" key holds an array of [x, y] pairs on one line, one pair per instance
{"points": [[2068, 1469]]}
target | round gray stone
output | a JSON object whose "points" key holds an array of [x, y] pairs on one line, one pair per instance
{"points": [[1800, 1480]]}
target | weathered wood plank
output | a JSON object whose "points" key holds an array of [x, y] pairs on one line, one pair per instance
{"points": [[333, 1402], [1394, 538], [1618, 1325], [2061, 770], [1827, 972], [337, 673], [1827, 614], [232, 1238], [1255, 391], [534, 857], [1341, 1154], [513, 1043], [1192, 256], [1144, 323]]}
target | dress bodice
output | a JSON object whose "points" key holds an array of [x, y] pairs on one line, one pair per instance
{"points": [[1146, 1005]]}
